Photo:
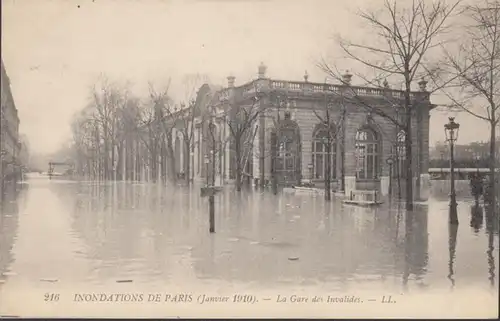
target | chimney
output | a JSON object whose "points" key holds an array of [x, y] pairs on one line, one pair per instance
{"points": [[346, 78], [230, 81], [262, 71]]}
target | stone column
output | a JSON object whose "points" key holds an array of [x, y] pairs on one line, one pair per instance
{"points": [[350, 156], [384, 185], [306, 125]]}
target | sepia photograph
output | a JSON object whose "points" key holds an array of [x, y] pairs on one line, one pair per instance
{"points": [[250, 159]]}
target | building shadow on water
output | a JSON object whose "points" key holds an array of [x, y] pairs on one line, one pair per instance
{"points": [[13, 202], [476, 218], [306, 241], [492, 223]]}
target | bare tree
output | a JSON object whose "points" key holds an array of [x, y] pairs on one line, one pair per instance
{"points": [[241, 120], [475, 65], [156, 121], [99, 131], [185, 119], [402, 39], [107, 101], [332, 124]]}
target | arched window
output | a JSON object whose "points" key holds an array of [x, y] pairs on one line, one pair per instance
{"points": [[286, 152], [319, 155], [400, 155], [367, 154]]}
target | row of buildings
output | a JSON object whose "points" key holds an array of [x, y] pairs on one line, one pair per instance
{"points": [[13, 146], [363, 150], [477, 152]]}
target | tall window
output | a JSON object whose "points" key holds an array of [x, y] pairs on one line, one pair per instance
{"points": [[367, 154], [400, 155], [319, 155], [287, 153]]}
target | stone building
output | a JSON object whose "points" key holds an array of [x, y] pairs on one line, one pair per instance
{"points": [[9, 134], [360, 141]]}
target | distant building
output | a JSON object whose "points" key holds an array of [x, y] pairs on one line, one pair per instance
{"points": [[470, 155], [9, 135]]}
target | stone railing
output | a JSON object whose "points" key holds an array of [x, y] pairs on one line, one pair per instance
{"points": [[295, 86], [254, 87]]}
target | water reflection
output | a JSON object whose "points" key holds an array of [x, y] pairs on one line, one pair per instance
{"points": [[158, 234], [452, 246], [476, 217], [331, 243], [9, 219], [491, 230], [415, 244]]}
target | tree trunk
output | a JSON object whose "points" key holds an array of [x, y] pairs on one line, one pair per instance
{"points": [[328, 195], [409, 165], [119, 163], [113, 167], [106, 154], [238, 163], [187, 161], [274, 178], [153, 156], [492, 188], [171, 163], [418, 136], [262, 150]]}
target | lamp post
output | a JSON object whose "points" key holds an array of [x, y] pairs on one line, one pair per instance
{"points": [[212, 152], [211, 198], [390, 162], [451, 132]]}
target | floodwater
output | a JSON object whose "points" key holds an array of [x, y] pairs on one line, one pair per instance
{"points": [[69, 238]]}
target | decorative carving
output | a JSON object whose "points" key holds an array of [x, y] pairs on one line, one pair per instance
{"points": [[369, 119]]}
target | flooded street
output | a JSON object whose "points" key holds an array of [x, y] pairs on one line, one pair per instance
{"points": [[67, 238]]}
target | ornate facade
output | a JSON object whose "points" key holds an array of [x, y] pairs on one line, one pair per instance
{"points": [[361, 142], [9, 135]]}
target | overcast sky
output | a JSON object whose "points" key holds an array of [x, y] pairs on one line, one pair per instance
{"points": [[54, 50]]}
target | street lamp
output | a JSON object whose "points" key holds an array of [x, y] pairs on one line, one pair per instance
{"points": [[207, 161], [390, 162], [451, 132]]}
